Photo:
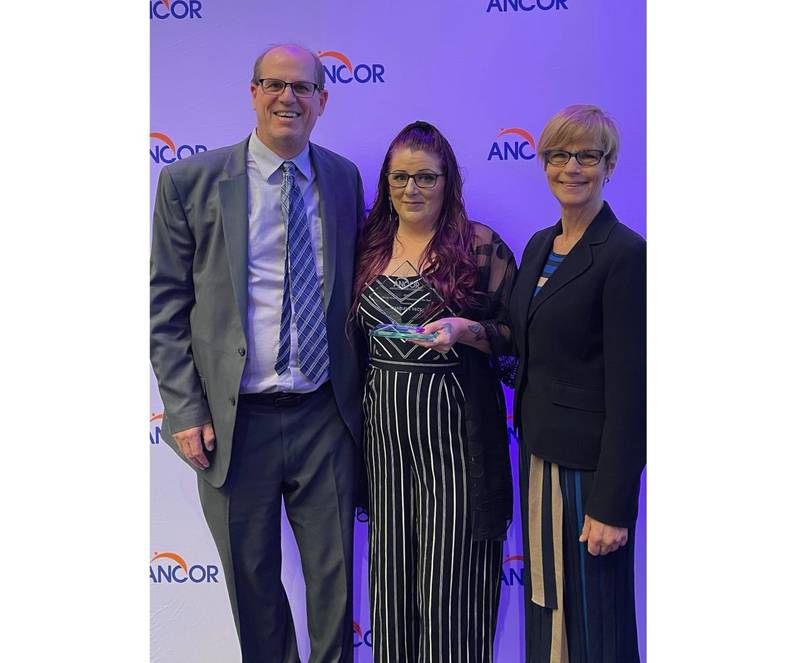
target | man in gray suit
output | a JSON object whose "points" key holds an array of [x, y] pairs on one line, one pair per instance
{"points": [[251, 281]]}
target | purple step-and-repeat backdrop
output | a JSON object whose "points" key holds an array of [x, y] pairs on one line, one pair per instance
{"points": [[488, 73]]}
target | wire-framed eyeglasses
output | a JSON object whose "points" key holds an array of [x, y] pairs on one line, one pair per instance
{"points": [[275, 87]]}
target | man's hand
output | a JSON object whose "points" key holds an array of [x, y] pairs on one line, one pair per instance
{"points": [[602, 538], [192, 441]]}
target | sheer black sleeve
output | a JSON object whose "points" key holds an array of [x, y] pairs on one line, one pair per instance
{"points": [[497, 269]]}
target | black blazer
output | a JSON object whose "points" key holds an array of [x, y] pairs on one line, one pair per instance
{"points": [[579, 399]]}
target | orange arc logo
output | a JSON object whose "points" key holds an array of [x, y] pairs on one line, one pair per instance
{"points": [[519, 132], [165, 3], [159, 136], [357, 629], [156, 417], [339, 56], [174, 557], [513, 558]]}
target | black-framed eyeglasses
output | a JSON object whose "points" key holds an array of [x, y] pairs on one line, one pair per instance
{"points": [[275, 87], [398, 180], [583, 157]]}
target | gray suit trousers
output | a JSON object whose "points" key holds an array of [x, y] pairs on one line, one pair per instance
{"points": [[302, 454]]}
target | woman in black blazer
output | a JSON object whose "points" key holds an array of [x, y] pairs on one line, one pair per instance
{"points": [[578, 324]]}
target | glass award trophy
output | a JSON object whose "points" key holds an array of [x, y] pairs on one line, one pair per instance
{"points": [[408, 301]]}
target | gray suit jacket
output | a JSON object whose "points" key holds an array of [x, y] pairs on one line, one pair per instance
{"points": [[198, 290]]}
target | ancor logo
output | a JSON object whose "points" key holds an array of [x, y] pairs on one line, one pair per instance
{"points": [[361, 637], [503, 6], [512, 149], [155, 427], [343, 70], [167, 152], [513, 572], [169, 567], [180, 9]]}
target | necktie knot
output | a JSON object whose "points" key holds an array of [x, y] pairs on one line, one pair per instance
{"points": [[288, 168]]}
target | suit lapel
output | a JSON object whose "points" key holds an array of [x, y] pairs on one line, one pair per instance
{"points": [[578, 260], [576, 263], [328, 210], [233, 205], [530, 272], [524, 286]]}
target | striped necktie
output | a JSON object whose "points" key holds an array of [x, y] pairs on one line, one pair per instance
{"points": [[301, 289]]}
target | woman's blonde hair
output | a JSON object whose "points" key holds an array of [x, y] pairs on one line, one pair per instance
{"points": [[575, 123]]}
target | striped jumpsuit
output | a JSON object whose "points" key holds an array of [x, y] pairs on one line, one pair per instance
{"points": [[434, 591]]}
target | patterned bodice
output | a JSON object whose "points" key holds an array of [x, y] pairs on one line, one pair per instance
{"points": [[403, 300]]}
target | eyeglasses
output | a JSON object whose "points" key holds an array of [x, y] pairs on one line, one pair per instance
{"points": [[275, 87], [422, 180], [583, 157]]}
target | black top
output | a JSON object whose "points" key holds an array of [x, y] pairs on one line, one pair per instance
{"points": [[580, 386]]}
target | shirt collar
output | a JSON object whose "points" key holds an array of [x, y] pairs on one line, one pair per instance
{"points": [[268, 162]]}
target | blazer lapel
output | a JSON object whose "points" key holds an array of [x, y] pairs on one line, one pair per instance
{"points": [[328, 210], [532, 270], [576, 263], [233, 205], [579, 258]]}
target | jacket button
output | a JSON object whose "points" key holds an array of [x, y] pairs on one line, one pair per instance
{"points": [[242, 351], [232, 400]]}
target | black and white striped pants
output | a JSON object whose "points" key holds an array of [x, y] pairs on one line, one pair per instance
{"points": [[434, 592]]}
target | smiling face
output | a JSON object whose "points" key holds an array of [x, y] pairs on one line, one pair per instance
{"points": [[576, 186], [284, 122], [420, 207]]}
